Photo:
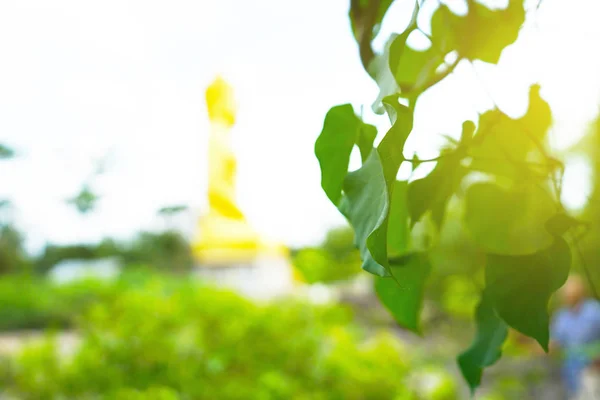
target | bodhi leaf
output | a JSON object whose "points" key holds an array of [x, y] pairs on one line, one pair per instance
{"points": [[366, 17], [402, 294], [365, 204], [502, 144], [365, 139], [508, 221], [341, 130], [466, 136], [392, 145], [520, 287], [486, 348], [412, 68], [560, 223], [368, 191], [398, 228], [538, 118], [433, 192], [381, 73], [482, 34]]}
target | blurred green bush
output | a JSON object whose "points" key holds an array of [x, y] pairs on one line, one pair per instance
{"points": [[33, 302], [336, 259], [182, 340], [29, 303]]}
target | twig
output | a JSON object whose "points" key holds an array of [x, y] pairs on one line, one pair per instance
{"points": [[418, 161], [538, 5]]}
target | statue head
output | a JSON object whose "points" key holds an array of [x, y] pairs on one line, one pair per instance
{"points": [[220, 102]]}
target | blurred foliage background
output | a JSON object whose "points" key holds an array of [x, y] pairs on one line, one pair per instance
{"points": [[158, 332]]}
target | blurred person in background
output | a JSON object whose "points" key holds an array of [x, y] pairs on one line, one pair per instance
{"points": [[575, 333]]}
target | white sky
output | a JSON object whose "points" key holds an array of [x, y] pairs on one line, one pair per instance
{"points": [[82, 79]]}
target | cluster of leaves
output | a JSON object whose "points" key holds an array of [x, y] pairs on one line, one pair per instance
{"points": [[500, 169], [142, 343]]}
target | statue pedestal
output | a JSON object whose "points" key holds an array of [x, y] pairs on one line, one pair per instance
{"points": [[262, 278]]}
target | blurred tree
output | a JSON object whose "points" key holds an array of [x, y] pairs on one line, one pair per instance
{"points": [[13, 258], [85, 201], [172, 210], [54, 254], [167, 251], [6, 209], [6, 152]]}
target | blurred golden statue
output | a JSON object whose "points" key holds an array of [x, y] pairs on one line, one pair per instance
{"points": [[225, 236], [221, 160]]}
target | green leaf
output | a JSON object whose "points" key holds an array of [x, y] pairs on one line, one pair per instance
{"points": [[368, 191], [560, 223], [380, 71], [392, 145], [341, 130], [466, 136], [502, 144], [508, 221], [433, 192], [398, 228], [520, 287], [412, 68], [366, 137], [365, 204], [538, 118], [403, 294], [366, 16], [482, 34], [486, 348]]}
